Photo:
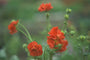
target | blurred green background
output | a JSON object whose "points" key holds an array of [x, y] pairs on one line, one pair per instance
{"points": [[27, 12]]}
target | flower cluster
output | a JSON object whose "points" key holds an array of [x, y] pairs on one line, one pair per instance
{"points": [[56, 38], [45, 7], [35, 49], [12, 27]]}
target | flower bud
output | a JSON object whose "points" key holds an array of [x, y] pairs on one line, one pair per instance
{"points": [[68, 10], [66, 16], [65, 31], [12, 20], [24, 45], [72, 32], [81, 37], [62, 31]]}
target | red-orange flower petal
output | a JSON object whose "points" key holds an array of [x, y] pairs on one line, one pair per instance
{"points": [[45, 7], [35, 49], [55, 38], [64, 44], [48, 6], [15, 22], [42, 7], [12, 27]]}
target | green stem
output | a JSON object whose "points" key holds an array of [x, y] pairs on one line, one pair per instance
{"points": [[65, 23], [81, 53], [45, 52], [48, 22], [51, 57], [26, 31], [22, 32], [86, 55], [39, 59], [36, 58], [89, 48], [83, 57]]}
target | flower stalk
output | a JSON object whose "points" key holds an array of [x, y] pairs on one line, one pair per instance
{"points": [[35, 58], [51, 56], [48, 21], [66, 20], [44, 54], [23, 33], [29, 36]]}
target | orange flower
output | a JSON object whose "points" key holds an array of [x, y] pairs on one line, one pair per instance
{"points": [[57, 37], [45, 7], [35, 49], [12, 27]]}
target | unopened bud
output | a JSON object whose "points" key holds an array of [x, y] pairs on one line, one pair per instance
{"points": [[82, 37], [68, 10], [24, 45], [65, 31], [12, 20], [66, 16], [72, 32], [62, 31]]}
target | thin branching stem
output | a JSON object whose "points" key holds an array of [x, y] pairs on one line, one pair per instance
{"points": [[23, 33], [29, 36]]}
